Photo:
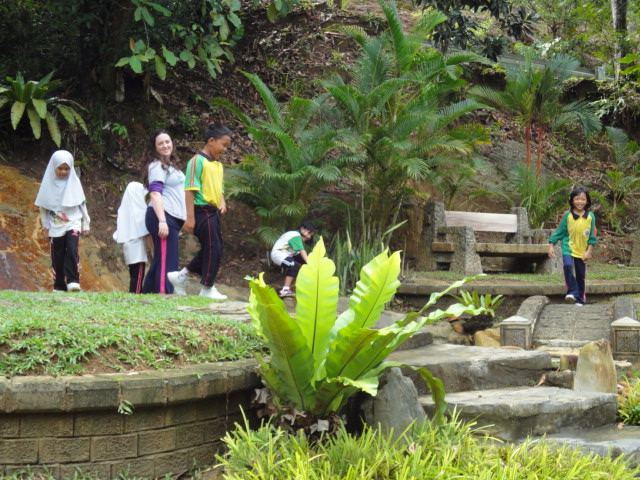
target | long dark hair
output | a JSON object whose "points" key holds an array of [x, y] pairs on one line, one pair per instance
{"points": [[151, 155]]}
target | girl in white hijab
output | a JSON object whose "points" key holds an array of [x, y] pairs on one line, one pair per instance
{"points": [[64, 213], [132, 232]]}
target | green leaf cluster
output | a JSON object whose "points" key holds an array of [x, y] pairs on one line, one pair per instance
{"points": [[543, 197], [622, 183], [396, 120], [487, 303], [320, 359], [175, 32], [298, 159], [629, 401], [35, 99]]}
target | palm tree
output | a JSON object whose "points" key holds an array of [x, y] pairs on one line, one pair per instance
{"points": [[549, 112], [398, 107], [517, 98], [534, 95], [296, 161]]}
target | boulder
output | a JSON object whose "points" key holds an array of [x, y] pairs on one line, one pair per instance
{"points": [[596, 371], [395, 406], [487, 338]]}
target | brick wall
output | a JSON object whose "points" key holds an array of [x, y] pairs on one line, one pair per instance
{"points": [[68, 423]]}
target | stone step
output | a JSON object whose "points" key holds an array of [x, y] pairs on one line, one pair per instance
{"points": [[474, 368], [571, 326], [608, 440], [514, 413]]}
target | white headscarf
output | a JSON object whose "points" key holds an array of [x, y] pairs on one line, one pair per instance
{"points": [[131, 214], [56, 193]]}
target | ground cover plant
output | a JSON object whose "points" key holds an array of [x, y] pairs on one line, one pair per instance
{"points": [[63, 334], [452, 450], [629, 399]]}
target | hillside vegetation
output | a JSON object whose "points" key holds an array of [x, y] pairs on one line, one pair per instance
{"points": [[343, 116]]}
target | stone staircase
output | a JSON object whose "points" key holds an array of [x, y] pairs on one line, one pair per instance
{"points": [[497, 389]]}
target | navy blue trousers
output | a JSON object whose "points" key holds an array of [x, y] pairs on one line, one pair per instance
{"points": [[165, 253], [206, 263], [575, 283]]}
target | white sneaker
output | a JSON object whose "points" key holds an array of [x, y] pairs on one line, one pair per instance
{"points": [[213, 293], [179, 283], [570, 298], [73, 287]]}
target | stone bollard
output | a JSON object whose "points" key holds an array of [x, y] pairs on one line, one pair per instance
{"points": [[625, 335], [516, 332]]}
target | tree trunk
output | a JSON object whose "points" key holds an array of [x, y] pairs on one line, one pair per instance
{"points": [[109, 30], [539, 163], [619, 16], [527, 141]]}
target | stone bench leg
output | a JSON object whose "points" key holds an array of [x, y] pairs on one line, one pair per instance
{"points": [[550, 265], [465, 258]]}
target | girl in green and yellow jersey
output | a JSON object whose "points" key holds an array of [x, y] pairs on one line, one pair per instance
{"points": [[578, 234]]}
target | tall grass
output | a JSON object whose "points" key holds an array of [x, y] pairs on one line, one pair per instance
{"points": [[424, 451]]}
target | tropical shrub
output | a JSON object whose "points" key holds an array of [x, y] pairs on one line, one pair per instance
{"points": [[622, 183], [35, 98], [629, 401], [319, 360], [296, 161], [487, 302], [352, 250], [401, 106], [534, 95], [543, 198]]}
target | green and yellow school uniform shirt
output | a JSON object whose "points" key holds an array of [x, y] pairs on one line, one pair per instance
{"points": [[205, 178], [577, 232]]}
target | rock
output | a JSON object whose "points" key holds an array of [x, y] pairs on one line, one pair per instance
{"points": [[568, 362], [395, 406], [487, 338], [561, 379], [444, 332], [596, 371]]}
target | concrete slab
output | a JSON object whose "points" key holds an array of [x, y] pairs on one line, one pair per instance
{"points": [[572, 326], [474, 368], [608, 440], [517, 412]]}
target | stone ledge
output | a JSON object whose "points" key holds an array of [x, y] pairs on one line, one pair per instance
{"points": [[105, 391], [520, 290]]}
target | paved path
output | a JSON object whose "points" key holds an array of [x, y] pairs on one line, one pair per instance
{"points": [[561, 325]]}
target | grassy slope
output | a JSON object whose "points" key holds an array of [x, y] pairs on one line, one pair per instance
{"points": [[61, 334]]}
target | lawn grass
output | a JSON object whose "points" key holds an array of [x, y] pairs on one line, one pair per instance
{"points": [[64, 334], [596, 273]]}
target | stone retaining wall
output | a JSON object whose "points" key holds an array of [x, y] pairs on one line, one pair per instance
{"points": [[67, 423]]}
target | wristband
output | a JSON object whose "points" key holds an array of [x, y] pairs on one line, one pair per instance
{"points": [[162, 221]]}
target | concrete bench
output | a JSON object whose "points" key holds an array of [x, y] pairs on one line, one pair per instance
{"points": [[453, 242]]}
